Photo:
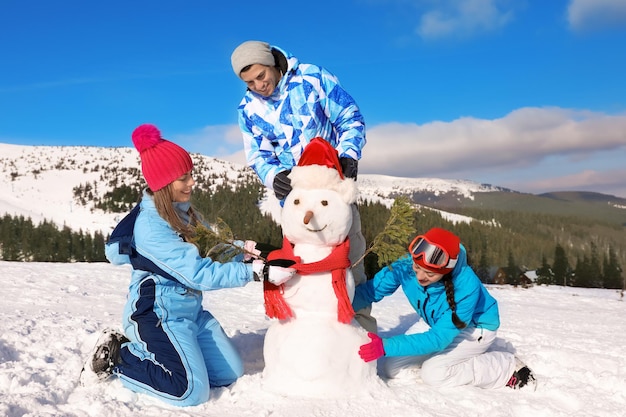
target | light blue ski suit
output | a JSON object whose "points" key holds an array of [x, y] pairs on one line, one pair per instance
{"points": [[177, 350]]}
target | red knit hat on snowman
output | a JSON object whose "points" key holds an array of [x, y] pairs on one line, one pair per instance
{"points": [[162, 161], [320, 152], [312, 171]]}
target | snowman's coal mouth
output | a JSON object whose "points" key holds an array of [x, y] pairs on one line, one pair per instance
{"points": [[316, 230]]}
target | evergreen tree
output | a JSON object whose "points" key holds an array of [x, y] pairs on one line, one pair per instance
{"points": [[512, 271], [20, 240], [391, 243], [545, 276], [26, 245], [10, 238], [89, 250], [612, 271], [482, 271], [47, 234], [374, 216], [560, 267], [77, 247], [595, 272], [63, 246], [582, 274], [98, 247]]}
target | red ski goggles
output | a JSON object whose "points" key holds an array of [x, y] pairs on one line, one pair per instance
{"points": [[431, 254]]}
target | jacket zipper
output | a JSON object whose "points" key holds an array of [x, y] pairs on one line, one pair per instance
{"points": [[425, 315]]}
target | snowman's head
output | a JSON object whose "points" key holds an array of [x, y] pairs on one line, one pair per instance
{"points": [[317, 210]]}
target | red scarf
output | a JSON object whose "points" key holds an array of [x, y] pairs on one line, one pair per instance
{"points": [[336, 262]]}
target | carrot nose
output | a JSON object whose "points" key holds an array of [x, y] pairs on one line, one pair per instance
{"points": [[308, 216]]}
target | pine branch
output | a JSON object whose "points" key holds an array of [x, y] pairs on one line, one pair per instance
{"points": [[390, 243], [218, 242]]}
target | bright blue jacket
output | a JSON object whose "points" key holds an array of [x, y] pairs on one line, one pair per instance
{"points": [[474, 305], [308, 102]]}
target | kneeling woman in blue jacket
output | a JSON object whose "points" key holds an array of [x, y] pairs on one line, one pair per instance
{"points": [[172, 348], [462, 317]]}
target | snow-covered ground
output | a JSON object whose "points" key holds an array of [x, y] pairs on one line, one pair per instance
{"points": [[574, 339]]}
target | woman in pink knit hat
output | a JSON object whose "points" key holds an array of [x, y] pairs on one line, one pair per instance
{"points": [[172, 348], [461, 317]]}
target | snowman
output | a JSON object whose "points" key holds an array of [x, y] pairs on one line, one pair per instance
{"points": [[311, 349]]}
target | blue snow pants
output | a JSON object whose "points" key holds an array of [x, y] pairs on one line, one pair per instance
{"points": [[177, 350]]}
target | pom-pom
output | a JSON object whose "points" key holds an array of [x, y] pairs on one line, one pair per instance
{"points": [[146, 136]]}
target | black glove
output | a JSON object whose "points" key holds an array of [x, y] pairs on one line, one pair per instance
{"points": [[282, 184], [349, 167]]}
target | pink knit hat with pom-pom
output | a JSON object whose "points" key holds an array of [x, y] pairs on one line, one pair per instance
{"points": [[162, 161]]}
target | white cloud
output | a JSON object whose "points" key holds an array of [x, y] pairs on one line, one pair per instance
{"points": [[238, 157], [520, 138], [218, 141], [596, 14], [518, 145], [462, 18], [609, 182]]}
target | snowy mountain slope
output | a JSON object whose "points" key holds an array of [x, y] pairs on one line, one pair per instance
{"points": [[40, 181], [386, 186]]}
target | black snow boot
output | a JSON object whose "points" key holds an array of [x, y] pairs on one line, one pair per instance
{"points": [[107, 353], [523, 377]]}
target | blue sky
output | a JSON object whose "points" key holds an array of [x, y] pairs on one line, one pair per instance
{"points": [[526, 94]]}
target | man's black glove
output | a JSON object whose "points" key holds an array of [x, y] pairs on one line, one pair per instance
{"points": [[349, 167], [282, 184]]}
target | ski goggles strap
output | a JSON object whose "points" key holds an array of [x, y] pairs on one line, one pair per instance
{"points": [[431, 254]]}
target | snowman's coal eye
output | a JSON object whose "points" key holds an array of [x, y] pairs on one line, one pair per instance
{"points": [[296, 201], [324, 202]]}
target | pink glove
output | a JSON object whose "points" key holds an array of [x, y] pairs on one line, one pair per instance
{"points": [[372, 350], [250, 250]]}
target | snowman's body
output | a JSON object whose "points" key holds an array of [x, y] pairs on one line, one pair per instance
{"points": [[313, 353]]}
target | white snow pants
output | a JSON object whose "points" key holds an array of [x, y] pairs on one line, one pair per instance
{"points": [[466, 361]]}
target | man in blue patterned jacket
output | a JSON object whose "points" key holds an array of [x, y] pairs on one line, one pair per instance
{"points": [[288, 103]]}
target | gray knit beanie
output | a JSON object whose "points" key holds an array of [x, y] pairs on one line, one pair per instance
{"points": [[251, 52]]}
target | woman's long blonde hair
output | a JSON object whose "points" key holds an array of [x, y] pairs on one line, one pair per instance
{"points": [[163, 199]]}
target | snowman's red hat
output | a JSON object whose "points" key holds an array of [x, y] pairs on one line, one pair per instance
{"points": [[319, 168], [320, 152]]}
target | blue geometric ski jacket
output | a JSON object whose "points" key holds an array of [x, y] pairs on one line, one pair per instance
{"points": [[308, 102]]}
